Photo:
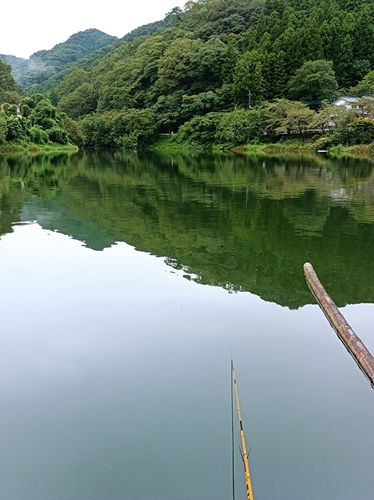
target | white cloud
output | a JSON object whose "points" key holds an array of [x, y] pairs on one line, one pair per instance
{"points": [[30, 26]]}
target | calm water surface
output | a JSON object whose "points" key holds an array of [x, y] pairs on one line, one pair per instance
{"points": [[128, 281]]}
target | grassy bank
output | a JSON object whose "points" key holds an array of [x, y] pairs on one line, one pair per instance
{"points": [[36, 148], [358, 151], [168, 143], [308, 147], [287, 146]]}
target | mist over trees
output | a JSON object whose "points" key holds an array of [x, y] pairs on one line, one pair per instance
{"points": [[44, 64]]}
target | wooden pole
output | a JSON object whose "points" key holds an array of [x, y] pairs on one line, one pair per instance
{"points": [[247, 474], [232, 432], [352, 342]]}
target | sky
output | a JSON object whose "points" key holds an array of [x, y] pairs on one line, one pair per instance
{"points": [[27, 27]]}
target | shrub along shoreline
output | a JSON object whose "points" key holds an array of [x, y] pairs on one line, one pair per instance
{"points": [[281, 126], [358, 151], [290, 146], [37, 148]]}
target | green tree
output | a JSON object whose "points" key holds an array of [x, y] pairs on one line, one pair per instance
{"points": [[328, 117], [139, 124], [200, 104], [206, 64], [42, 122], [144, 65], [344, 58], [249, 77], [366, 85], [58, 135], [175, 64], [201, 130], [3, 128], [311, 37], [364, 107], [360, 68], [290, 116], [363, 33], [290, 43], [278, 77], [10, 110], [72, 81], [169, 112], [16, 130], [96, 131], [240, 127], [12, 97], [75, 134], [116, 93], [274, 113], [362, 130], [314, 81], [129, 83], [38, 135], [229, 63], [44, 114], [298, 119], [175, 16], [80, 102], [7, 82]]}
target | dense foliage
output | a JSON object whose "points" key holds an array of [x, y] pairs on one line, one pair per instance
{"points": [[35, 120], [199, 67], [9, 90]]}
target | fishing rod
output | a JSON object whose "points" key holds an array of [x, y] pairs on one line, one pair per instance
{"points": [[244, 454]]}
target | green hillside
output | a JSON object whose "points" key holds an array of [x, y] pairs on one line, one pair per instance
{"points": [[45, 63], [194, 72], [208, 59]]}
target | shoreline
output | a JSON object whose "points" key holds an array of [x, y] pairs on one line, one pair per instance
{"points": [[362, 151], [36, 149], [359, 151]]}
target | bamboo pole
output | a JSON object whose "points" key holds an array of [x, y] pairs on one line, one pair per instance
{"points": [[247, 474], [352, 342], [232, 432]]}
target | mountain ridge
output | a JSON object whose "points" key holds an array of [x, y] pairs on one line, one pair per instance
{"points": [[43, 64], [46, 64]]}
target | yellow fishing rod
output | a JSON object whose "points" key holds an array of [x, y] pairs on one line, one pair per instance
{"points": [[247, 475]]}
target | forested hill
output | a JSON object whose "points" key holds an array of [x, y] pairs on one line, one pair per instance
{"points": [[190, 71], [45, 63], [212, 54], [12, 60]]}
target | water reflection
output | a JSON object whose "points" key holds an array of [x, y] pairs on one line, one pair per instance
{"points": [[114, 371], [241, 223]]}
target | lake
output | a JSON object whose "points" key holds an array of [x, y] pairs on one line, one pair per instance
{"points": [[129, 281]]}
